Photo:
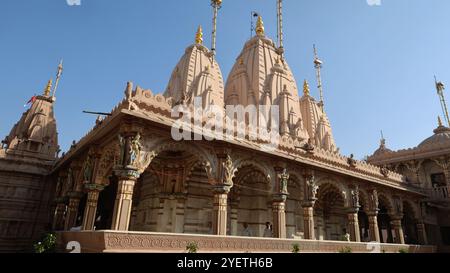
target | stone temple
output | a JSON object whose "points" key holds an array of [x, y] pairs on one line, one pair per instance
{"points": [[129, 186]]}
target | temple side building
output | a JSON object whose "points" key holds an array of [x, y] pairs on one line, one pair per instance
{"points": [[27, 156]]}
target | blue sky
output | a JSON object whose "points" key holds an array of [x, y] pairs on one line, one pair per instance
{"points": [[378, 72]]}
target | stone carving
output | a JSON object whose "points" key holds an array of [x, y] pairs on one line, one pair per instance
{"points": [[355, 197], [398, 205], [88, 168], [135, 150], [228, 171], [374, 202], [130, 148], [384, 171], [284, 179], [311, 188], [70, 180]]}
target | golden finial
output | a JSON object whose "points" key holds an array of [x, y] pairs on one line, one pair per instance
{"points": [[306, 88], [199, 36], [260, 27], [48, 89], [440, 121]]}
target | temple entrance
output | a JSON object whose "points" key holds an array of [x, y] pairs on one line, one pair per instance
{"points": [[330, 215], [409, 225], [105, 205], [384, 222], [294, 209], [363, 224], [252, 203], [173, 195]]}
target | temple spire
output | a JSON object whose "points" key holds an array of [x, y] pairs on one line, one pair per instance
{"points": [[58, 77], [440, 122], [199, 36], [260, 31], [306, 90], [48, 89]]}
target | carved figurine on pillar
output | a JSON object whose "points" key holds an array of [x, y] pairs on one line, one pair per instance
{"points": [[220, 191], [127, 172], [353, 221], [372, 214], [279, 203], [308, 205]]}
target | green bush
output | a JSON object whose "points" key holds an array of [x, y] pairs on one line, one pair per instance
{"points": [[346, 249], [295, 248], [192, 248], [47, 244], [403, 251]]}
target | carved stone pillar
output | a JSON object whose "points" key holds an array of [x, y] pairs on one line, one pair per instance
{"points": [[124, 198], [58, 218], [279, 216], [220, 210], [421, 233], [396, 223], [353, 220], [90, 211], [308, 218], [72, 210], [374, 231], [234, 218], [353, 225]]}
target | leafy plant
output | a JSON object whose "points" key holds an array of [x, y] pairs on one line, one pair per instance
{"points": [[47, 244], [346, 249], [192, 247], [295, 248], [403, 250]]}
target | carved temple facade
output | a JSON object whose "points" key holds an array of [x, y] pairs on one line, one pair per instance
{"points": [[129, 173]]}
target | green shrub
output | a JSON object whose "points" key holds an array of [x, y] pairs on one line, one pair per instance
{"points": [[403, 251], [47, 244], [295, 248], [346, 249], [192, 247]]}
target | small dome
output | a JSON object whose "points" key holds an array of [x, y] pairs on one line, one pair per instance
{"points": [[441, 135], [197, 74]]}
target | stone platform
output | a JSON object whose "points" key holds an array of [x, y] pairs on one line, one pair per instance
{"points": [[145, 242]]}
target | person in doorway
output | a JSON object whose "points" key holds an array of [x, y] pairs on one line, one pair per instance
{"points": [[268, 232], [345, 236], [247, 232]]}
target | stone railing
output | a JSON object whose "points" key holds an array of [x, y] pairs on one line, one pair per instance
{"points": [[439, 193], [147, 242]]}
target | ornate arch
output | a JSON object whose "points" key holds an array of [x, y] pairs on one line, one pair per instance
{"points": [[387, 200], [364, 199], [415, 208], [342, 189], [262, 167], [153, 147]]}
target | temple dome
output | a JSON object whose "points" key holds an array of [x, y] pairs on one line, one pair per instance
{"points": [[441, 136], [197, 74]]}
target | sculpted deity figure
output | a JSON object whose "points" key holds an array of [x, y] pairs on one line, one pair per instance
{"points": [[135, 149], [355, 197], [228, 170], [88, 168], [374, 199], [284, 178], [312, 188], [70, 179]]}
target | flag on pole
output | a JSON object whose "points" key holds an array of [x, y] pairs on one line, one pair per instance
{"points": [[31, 101]]}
